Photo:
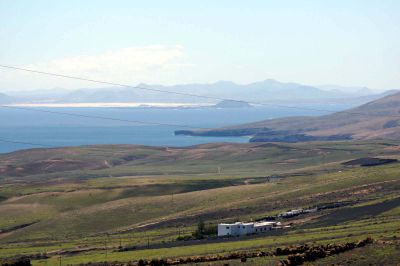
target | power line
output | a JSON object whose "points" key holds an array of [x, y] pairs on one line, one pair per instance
{"points": [[26, 143], [144, 122], [84, 116], [186, 94], [148, 89], [100, 117]]}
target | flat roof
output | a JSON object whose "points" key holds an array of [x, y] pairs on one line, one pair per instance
{"points": [[237, 223], [249, 223], [264, 223]]}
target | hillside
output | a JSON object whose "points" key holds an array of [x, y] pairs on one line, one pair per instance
{"points": [[134, 202], [379, 119]]}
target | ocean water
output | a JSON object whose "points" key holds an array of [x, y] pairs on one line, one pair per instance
{"points": [[62, 130]]}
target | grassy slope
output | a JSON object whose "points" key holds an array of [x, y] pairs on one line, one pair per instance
{"points": [[178, 186]]}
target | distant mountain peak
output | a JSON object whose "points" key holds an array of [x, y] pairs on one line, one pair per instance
{"points": [[261, 91], [224, 82]]}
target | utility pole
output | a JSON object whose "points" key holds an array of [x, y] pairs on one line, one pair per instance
{"points": [[59, 259], [105, 246]]}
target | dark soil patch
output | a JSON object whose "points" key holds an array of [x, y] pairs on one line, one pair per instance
{"points": [[369, 161], [20, 226], [355, 213], [184, 187]]}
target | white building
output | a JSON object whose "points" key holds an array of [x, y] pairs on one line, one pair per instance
{"points": [[239, 228], [291, 213]]}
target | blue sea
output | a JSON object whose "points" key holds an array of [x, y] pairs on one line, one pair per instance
{"points": [[62, 130]]}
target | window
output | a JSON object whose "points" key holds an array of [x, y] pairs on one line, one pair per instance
{"points": [[227, 227], [244, 227]]}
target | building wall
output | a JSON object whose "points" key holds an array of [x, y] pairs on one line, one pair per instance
{"points": [[247, 229], [236, 230], [261, 229], [224, 230], [239, 229]]}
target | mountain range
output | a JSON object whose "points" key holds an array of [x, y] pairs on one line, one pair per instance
{"points": [[264, 91], [378, 119]]}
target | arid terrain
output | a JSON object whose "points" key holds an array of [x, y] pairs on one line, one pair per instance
{"points": [[379, 119], [125, 202]]}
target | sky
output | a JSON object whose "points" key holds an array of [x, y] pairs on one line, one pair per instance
{"points": [[348, 43]]}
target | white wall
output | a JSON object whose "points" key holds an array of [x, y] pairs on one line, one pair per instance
{"points": [[239, 229], [224, 230]]}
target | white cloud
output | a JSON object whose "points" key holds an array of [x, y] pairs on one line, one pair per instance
{"points": [[154, 63]]}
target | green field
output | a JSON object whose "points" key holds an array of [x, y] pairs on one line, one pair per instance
{"points": [[81, 203]]}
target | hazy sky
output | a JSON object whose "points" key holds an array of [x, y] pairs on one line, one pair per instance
{"points": [[351, 43]]}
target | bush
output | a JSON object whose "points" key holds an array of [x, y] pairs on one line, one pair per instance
{"points": [[205, 230], [184, 238], [16, 262]]}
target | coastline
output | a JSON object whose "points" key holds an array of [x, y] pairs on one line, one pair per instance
{"points": [[113, 105]]}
